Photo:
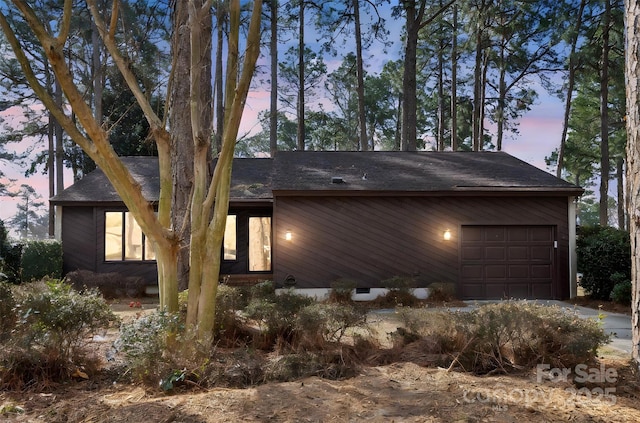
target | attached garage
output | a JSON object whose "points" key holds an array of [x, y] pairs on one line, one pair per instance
{"points": [[499, 262]]}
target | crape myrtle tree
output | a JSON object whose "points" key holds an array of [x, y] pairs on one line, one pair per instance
{"points": [[210, 193]]}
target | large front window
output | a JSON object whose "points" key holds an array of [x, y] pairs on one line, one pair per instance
{"points": [[124, 240]]}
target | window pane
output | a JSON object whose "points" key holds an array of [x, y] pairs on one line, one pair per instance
{"points": [[113, 236], [133, 238], [259, 244], [230, 240]]}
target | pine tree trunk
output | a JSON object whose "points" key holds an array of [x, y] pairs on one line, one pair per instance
{"points": [[454, 81], [301, 122], [273, 110], [362, 117], [570, 85], [604, 118], [632, 76]]}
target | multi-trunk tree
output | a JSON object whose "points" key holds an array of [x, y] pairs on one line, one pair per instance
{"points": [[209, 196]]}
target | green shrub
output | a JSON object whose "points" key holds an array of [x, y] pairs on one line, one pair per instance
{"points": [[442, 292], [144, 342], [602, 251], [10, 262], [276, 315], [41, 259], [507, 336], [328, 323], [49, 340], [341, 290], [622, 289]]}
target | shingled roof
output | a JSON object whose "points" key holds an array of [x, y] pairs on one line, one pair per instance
{"points": [[251, 181], [326, 173], [411, 172]]}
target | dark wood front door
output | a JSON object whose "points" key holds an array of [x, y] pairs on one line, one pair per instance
{"points": [[499, 262]]}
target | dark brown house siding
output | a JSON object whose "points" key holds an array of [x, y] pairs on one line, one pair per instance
{"points": [[372, 238], [79, 239]]}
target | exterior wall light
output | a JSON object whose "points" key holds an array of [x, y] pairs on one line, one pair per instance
{"points": [[288, 236], [447, 235]]}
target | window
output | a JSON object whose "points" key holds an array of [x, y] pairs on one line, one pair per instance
{"points": [[230, 239], [124, 240], [259, 244]]}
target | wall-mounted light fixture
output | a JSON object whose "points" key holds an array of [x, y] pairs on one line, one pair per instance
{"points": [[447, 235], [288, 235]]}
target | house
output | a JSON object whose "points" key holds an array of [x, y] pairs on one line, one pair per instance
{"points": [[487, 223]]}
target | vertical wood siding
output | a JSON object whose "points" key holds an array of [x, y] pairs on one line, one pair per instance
{"points": [[79, 239], [370, 239]]}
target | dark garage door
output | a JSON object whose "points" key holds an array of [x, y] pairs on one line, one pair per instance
{"points": [[500, 262]]}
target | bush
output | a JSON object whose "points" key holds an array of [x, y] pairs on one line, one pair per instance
{"points": [[276, 315], [144, 342], [507, 336], [341, 290], [622, 289], [41, 259], [602, 251], [53, 327], [321, 324], [400, 293], [10, 262]]}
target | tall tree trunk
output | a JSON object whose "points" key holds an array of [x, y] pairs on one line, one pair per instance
{"points": [[220, 20], [301, 121], [632, 76], [408, 138], [184, 148], [604, 118], [477, 87], [59, 134], [441, 114], [454, 81], [362, 117], [622, 221], [570, 85], [273, 110]]}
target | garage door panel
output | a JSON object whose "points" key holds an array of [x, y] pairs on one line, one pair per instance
{"points": [[472, 253], [495, 271], [495, 253], [495, 291], [519, 290], [495, 234], [473, 291], [517, 234], [472, 233], [507, 261], [518, 271], [472, 271], [542, 290], [543, 252], [520, 252], [541, 272]]}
